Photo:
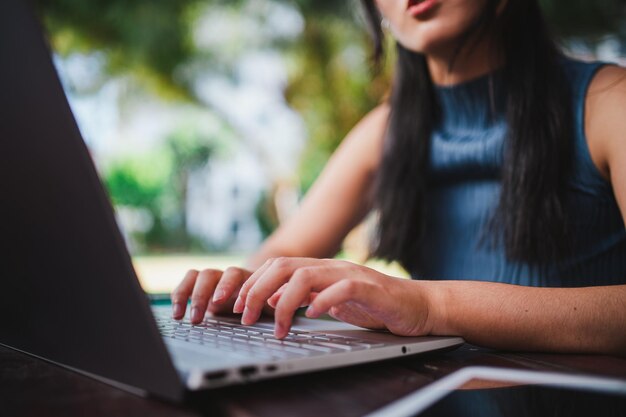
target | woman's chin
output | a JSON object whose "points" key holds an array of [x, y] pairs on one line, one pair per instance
{"points": [[429, 49]]}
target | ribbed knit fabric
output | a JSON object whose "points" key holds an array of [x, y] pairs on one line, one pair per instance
{"points": [[466, 158]]}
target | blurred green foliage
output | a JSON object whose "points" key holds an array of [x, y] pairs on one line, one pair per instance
{"points": [[266, 216], [139, 181], [189, 151], [157, 182], [147, 37], [331, 87]]}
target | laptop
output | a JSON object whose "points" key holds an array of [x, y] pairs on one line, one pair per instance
{"points": [[70, 295]]}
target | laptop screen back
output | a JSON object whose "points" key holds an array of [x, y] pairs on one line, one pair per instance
{"points": [[69, 293]]}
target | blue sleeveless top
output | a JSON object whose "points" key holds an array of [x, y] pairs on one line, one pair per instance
{"points": [[466, 157]]}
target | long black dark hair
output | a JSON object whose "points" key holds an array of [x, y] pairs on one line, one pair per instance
{"points": [[530, 219]]}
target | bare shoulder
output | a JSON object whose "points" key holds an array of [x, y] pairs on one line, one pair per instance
{"points": [[366, 138], [605, 117], [377, 117], [609, 79]]}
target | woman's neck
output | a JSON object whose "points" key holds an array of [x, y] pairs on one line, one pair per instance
{"points": [[473, 61]]}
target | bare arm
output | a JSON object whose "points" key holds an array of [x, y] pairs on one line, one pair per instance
{"points": [[504, 316], [338, 200]]}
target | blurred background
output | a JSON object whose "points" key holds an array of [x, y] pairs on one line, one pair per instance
{"points": [[208, 120]]}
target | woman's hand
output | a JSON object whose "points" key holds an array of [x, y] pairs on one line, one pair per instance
{"points": [[348, 292], [210, 290]]}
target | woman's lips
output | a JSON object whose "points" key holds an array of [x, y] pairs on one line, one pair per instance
{"points": [[417, 8]]}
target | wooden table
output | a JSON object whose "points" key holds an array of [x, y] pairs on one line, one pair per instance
{"points": [[31, 387]]}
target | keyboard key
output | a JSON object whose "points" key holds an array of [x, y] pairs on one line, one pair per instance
{"points": [[317, 348], [339, 346], [318, 337]]}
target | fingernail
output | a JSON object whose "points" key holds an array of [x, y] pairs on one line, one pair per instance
{"points": [[196, 315], [219, 295], [177, 310], [310, 311], [246, 317], [279, 331], [238, 307]]}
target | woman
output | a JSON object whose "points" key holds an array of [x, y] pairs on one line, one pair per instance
{"points": [[497, 169]]}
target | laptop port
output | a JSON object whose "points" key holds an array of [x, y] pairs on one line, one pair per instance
{"points": [[214, 376], [246, 371], [271, 368]]}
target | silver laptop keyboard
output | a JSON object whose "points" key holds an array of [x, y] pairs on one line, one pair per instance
{"points": [[258, 340]]}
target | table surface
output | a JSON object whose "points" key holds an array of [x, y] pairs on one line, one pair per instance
{"points": [[31, 387]]}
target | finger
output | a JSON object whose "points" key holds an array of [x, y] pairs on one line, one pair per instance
{"points": [[243, 292], [181, 294], [312, 297], [274, 298], [224, 306], [298, 291], [265, 284], [202, 293], [343, 291], [282, 263], [231, 280], [279, 272]]}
